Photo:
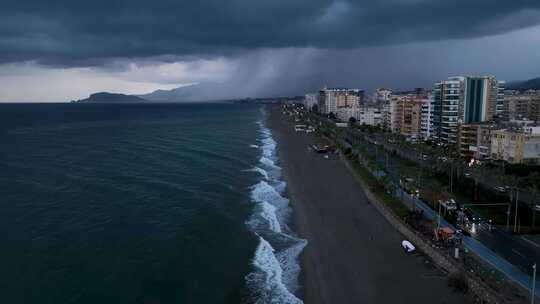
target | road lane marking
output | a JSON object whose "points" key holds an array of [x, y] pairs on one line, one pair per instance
{"points": [[518, 253], [530, 242]]}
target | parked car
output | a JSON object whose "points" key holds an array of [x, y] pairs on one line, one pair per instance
{"points": [[500, 189]]}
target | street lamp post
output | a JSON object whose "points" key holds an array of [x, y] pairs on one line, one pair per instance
{"points": [[439, 218], [516, 215], [451, 177], [508, 218], [533, 283]]}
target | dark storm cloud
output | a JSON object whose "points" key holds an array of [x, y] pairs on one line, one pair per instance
{"points": [[89, 33]]}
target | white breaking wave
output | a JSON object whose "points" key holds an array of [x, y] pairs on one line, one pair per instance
{"points": [[263, 192], [275, 277], [268, 162], [265, 217], [280, 187], [254, 146], [268, 271], [291, 268], [261, 171]]}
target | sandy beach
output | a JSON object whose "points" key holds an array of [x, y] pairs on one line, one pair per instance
{"points": [[353, 254]]}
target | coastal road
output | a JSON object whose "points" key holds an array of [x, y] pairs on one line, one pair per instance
{"points": [[521, 251], [353, 255]]}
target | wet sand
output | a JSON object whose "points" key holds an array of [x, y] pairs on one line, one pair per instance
{"points": [[353, 254]]}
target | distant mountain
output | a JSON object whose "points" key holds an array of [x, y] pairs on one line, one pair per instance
{"points": [[524, 85], [196, 92], [105, 97]]}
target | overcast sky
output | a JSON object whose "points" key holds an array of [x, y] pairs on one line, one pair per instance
{"points": [[58, 50]]}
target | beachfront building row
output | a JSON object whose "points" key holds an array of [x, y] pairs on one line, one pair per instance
{"points": [[462, 113]]}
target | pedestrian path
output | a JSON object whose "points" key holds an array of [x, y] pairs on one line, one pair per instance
{"points": [[500, 263], [486, 254]]}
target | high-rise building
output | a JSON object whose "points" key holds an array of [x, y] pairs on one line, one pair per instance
{"points": [[465, 100], [388, 109], [483, 99], [501, 106], [310, 100], [382, 95], [427, 116], [406, 116], [447, 96], [330, 99]]}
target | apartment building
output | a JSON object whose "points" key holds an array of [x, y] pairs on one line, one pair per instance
{"points": [[382, 95], [522, 105], [474, 140], [465, 100], [406, 115], [516, 146], [310, 100], [426, 124], [370, 115], [330, 99], [345, 113]]}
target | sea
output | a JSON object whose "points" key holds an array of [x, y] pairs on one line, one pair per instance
{"points": [[143, 203]]}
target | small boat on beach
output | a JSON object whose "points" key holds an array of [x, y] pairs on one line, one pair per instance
{"points": [[408, 246]]}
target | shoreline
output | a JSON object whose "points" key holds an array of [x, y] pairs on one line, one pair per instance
{"points": [[276, 259], [353, 255]]}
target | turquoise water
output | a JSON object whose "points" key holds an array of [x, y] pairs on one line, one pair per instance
{"points": [[127, 203]]}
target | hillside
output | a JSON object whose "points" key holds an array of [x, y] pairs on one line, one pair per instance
{"points": [[525, 85], [105, 97]]}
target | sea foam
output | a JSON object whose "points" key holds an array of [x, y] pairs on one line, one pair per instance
{"points": [[276, 268], [268, 271], [261, 171]]}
